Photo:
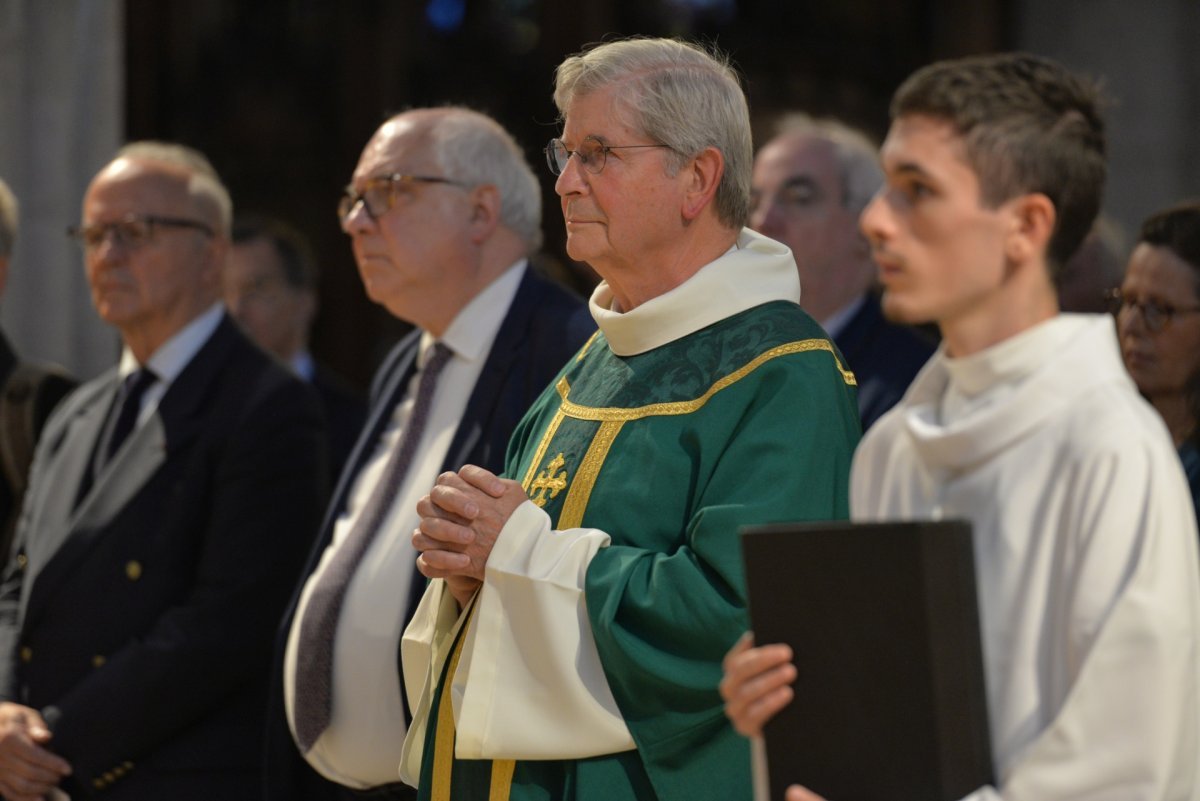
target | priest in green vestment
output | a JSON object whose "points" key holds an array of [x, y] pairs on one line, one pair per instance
{"points": [[569, 645]]}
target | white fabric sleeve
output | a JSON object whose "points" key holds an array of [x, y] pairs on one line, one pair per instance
{"points": [[1130, 724], [529, 683], [424, 648]]}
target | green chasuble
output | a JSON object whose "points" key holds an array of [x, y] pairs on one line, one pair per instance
{"points": [[750, 420]]}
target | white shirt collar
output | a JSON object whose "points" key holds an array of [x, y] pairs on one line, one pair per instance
{"points": [[173, 355], [472, 330]]}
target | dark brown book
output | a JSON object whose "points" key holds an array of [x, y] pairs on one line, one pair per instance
{"points": [[890, 701]]}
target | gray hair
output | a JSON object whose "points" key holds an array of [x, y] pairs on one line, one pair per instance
{"points": [[473, 148], [857, 155], [681, 95], [204, 185], [9, 219]]}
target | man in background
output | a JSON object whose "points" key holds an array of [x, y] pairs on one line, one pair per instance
{"points": [[170, 506], [810, 183], [442, 212], [28, 393], [270, 284]]}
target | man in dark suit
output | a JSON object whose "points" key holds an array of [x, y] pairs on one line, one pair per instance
{"points": [[170, 506], [810, 184], [270, 285], [442, 212], [28, 393]]}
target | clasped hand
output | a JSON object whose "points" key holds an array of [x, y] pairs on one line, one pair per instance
{"points": [[28, 769], [461, 519]]}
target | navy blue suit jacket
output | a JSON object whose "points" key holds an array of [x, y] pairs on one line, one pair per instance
{"points": [[884, 356], [140, 619], [544, 328]]}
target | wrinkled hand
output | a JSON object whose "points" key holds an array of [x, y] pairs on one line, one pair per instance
{"points": [[461, 518], [28, 770], [757, 683]]}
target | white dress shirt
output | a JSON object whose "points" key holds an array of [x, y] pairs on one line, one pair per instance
{"points": [[361, 747]]}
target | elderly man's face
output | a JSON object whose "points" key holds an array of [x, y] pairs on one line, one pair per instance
{"points": [[626, 217], [797, 198], [152, 288], [414, 257]]}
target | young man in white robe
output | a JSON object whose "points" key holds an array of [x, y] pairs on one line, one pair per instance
{"points": [[1025, 423]]}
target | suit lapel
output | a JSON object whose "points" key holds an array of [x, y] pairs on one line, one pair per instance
{"points": [[58, 472], [503, 359], [176, 422]]}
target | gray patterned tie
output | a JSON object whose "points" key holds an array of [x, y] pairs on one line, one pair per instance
{"points": [[314, 653]]}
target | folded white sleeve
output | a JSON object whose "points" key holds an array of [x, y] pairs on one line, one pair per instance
{"points": [[529, 683]]}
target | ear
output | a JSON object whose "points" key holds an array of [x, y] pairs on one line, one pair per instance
{"points": [[484, 212], [1033, 220], [701, 177], [216, 252]]}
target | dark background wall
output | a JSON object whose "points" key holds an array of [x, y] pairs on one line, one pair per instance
{"points": [[283, 94]]}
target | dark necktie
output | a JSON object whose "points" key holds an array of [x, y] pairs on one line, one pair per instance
{"points": [[129, 404], [314, 653]]}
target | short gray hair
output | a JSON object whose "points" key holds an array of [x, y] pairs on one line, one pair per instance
{"points": [[10, 217], [204, 185], [473, 148], [682, 95], [857, 155]]}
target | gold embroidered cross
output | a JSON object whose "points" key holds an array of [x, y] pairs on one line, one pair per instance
{"points": [[549, 481]]}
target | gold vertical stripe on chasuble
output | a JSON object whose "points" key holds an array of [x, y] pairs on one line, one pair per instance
{"points": [[585, 478], [551, 430]]}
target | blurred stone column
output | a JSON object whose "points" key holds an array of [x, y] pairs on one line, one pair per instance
{"points": [[61, 119], [1146, 56]]}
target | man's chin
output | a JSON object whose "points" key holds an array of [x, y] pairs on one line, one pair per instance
{"points": [[897, 311]]}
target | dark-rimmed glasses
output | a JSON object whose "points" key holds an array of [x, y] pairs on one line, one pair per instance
{"points": [[378, 195], [131, 231], [591, 153], [1156, 316]]}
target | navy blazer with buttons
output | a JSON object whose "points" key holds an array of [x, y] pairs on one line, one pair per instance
{"points": [[140, 619], [545, 326]]}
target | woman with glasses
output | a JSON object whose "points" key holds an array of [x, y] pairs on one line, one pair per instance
{"points": [[1158, 319]]}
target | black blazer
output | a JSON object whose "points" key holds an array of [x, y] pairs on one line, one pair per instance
{"points": [[345, 413], [544, 328], [884, 356], [140, 620]]}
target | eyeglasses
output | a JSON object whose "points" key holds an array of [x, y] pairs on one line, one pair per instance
{"points": [[132, 231], [1156, 316], [592, 154], [379, 194]]}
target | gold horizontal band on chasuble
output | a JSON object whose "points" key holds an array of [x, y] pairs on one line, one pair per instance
{"points": [[611, 420], [602, 413]]}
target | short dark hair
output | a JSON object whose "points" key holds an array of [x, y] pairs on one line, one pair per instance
{"points": [[1029, 125], [1176, 228], [295, 254]]}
